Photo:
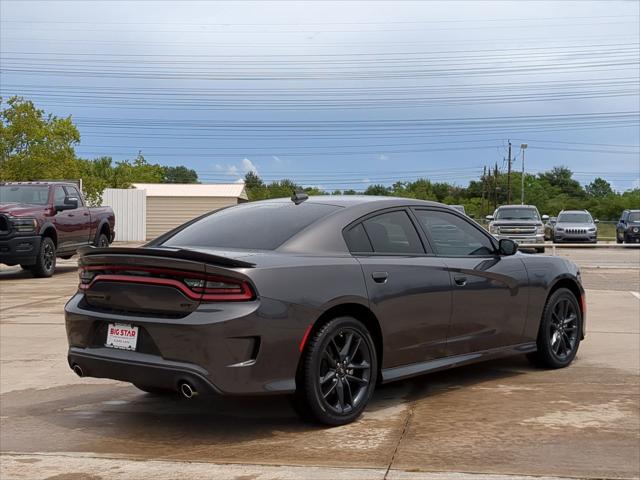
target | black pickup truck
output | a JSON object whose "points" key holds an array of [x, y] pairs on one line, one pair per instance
{"points": [[40, 221]]}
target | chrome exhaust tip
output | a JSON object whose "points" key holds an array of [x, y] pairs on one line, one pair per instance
{"points": [[187, 391], [78, 370]]}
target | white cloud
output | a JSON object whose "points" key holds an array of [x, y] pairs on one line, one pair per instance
{"points": [[248, 166], [232, 170], [366, 180], [277, 160], [382, 157]]}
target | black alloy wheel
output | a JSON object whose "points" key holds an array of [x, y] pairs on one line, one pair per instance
{"points": [[103, 241], [46, 260], [339, 372], [560, 330]]}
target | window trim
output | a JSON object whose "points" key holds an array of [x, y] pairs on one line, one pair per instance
{"points": [[53, 194], [492, 240], [426, 248]]}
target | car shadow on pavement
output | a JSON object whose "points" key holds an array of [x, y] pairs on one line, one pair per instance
{"points": [[118, 418]]}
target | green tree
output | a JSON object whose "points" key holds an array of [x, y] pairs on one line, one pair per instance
{"points": [[35, 145], [599, 188], [377, 190], [179, 174]]}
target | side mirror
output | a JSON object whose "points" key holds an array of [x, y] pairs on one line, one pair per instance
{"points": [[489, 217], [507, 247], [545, 217], [70, 203], [596, 221]]}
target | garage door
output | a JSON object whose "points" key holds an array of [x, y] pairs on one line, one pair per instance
{"points": [[165, 213]]}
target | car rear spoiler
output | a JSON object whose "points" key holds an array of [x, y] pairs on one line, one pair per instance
{"points": [[177, 253]]}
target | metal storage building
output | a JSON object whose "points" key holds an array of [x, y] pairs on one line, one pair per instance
{"points": [[171, 204]]}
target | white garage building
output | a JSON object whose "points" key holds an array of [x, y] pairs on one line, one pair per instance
{"points": [[151, 209], [172, 204]]}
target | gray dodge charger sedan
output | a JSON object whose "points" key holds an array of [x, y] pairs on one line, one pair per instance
{"points": [[321, 298]]}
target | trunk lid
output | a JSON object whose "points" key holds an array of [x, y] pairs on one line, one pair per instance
{"points": [[169, 282]]}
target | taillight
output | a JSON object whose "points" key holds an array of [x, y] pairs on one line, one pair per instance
{"points": [[197, 286]]}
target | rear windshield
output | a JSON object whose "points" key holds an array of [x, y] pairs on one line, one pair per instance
{"points": [[30, 194], [575, 218], [517, 214], [254, 226]]}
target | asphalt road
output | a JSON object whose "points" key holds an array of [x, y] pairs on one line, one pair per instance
{"points": [[499, 418]]}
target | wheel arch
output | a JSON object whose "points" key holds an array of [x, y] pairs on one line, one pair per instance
{"points": [[48, 230], [359, 312], [574, 286], [105, 228]]}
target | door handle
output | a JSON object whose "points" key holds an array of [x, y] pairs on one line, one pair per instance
{"points": [[380, 277], [460, 280]]}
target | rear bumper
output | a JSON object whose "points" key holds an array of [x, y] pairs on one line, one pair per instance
{"points": [[241, 348], [139, 369], [19, 250]]}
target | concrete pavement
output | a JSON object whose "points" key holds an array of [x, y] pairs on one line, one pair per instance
{"points": [[502, 418]]}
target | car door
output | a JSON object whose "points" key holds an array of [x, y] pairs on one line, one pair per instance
{"points": [[490, 292], [409, 289], [81, 218]]}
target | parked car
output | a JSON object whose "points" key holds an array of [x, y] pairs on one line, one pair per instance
{"points": [[40, 221], [575, 226], [548, 228], [321, 298], [628, 228], [520, 223]]}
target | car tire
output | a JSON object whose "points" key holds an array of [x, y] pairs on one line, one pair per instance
{"points": [[46, 260], [154, 390], [102, 241], [328, 390], [560, 331]]}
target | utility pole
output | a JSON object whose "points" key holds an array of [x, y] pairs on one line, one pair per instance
{"points": [[484, 185], [523, 147], [509, 175]]}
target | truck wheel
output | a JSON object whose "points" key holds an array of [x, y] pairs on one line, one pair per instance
{"points": [[103, 241], [46, 260]]}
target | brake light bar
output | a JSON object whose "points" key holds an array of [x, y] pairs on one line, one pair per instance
{"points": [[195, 285]]}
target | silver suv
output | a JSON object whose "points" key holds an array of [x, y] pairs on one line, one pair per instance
{"points": [[521, 223], [575, 226]]}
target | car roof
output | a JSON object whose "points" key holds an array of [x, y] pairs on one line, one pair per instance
{"points": [[41, 184], [517, 206], [354, 200], [574, 211]]}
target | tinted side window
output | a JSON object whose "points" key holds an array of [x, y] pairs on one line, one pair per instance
{"points": [[393, 232], [452, 235], [357, 239], [58, 196], [73, 192]]}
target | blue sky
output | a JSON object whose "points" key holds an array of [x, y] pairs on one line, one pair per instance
{"points": [[337, 95]]}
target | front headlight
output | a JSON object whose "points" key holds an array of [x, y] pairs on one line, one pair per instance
{"points": [[559, 229], [540, 230], [494, 229], [635, 229], [592, 229], [24, 225]]}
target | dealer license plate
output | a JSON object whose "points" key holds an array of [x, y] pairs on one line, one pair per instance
{"points": [[120, 335]]}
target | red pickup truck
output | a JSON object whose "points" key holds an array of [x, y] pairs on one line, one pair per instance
{"points": [[40, 221]]}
